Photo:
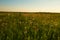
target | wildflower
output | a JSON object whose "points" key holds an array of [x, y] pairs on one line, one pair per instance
{"points": [[20, 22], [25, 31], [25, 27], [8, 14], [55, 23], [31, 22]]}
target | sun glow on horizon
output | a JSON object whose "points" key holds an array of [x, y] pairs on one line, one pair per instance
{"points": [[30, 5], [24, 9]]}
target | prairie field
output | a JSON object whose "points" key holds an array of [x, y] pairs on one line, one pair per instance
{"points": [[29, 26]]}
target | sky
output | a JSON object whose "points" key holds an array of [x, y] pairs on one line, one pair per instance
{"points": [[30, 5]]}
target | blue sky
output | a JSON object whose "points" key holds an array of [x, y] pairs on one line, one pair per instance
{"points": [[30, 5]]}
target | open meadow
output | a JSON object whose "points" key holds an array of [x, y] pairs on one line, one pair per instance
{"points": [[29, 26]]}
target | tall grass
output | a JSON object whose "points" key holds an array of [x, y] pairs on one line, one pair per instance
{"points": [[20, 26]]}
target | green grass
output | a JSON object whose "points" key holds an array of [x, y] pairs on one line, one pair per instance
{"points": [[26, 26]]}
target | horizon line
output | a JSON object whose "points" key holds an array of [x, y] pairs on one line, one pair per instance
{"points": [[30, 12]]}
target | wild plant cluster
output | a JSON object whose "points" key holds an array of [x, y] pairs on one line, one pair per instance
{"points": [[26, 26]]}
